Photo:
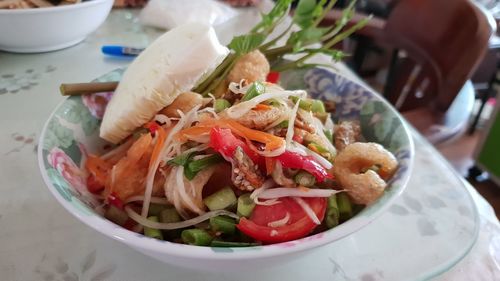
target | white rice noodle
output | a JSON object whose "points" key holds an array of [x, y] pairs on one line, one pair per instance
{"points": [[277, 122], [329, 125], [185, 120], [307, 209], [200, 147], [198, 157], [139, 198], [182, 192], [291, 124], [113, 177], [238, 110], [320, 159], [237, 87], [279, 192], [204, 138], [279, 177], [176, 225], [280, 222], [209, 110], [119, 149], [255, 194], [163, 119]]}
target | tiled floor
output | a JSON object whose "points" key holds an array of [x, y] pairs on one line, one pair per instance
{"points": [[460, 154]]}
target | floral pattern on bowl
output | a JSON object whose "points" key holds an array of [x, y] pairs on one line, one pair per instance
{"points": [[72, 130]]}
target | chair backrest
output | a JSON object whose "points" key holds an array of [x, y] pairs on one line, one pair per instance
{"points": [[442, 42]]}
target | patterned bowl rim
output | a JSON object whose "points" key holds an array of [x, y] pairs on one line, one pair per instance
{"points": [[152, 245]]}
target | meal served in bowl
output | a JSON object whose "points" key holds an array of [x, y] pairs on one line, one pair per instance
{"points": [[236, 163], [222, 146]]}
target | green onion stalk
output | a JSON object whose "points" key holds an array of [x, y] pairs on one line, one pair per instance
{"points": [[307, 16]]}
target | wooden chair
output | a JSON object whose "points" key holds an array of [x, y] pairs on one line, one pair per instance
{"points": [[436, 46]]}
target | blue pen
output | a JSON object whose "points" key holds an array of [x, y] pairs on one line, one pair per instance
{"points": [[121, 51]]}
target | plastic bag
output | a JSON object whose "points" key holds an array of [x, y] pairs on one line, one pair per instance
{"points": [[168, 14]]}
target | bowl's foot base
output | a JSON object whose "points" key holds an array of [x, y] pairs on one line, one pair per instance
{"points": [[41, 49]]}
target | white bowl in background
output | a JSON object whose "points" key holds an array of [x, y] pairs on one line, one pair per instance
{"points": [[49, 29]]}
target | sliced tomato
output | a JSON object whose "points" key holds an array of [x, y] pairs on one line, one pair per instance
{"points": [[298, 226], [223, 141]]}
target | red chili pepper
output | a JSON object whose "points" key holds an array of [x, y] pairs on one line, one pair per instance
{"points": [[115, 201], [296, 161], [152, 127], [223, 141], [273, 77], [93, 186]]}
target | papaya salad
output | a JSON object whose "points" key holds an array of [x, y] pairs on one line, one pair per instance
{"points": [[211, 151]]}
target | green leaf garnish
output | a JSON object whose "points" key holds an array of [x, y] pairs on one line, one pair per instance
{"points": [[181, 160], [246, 43]]}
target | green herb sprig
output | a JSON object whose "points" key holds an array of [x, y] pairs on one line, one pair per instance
{"points": [[307, 16]]}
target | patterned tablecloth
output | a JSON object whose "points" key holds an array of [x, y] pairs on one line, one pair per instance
{"points": [[430, 232]]}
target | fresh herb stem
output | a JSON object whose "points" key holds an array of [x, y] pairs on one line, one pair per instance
{"points": [[325, 12], [219, 79], [226, 63], [276, 39], [344, 19]]}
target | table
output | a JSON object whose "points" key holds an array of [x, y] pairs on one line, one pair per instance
{"points": [[39, 240]]}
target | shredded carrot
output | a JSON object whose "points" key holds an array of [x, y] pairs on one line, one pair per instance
{"points": [[270, 165], [161, 137], [262, 107], [272, 142], [195, 131], [98, 167]]}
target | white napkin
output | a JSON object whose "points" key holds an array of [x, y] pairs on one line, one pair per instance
{"points": [[168, 14]]}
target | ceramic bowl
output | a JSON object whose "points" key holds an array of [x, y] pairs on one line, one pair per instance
{"points": [[53, 28], [72, 131]]}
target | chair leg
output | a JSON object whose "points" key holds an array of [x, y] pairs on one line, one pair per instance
{"points": [[484, 99], [390, 73]]}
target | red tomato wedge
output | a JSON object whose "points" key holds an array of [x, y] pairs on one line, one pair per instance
{"points": [[223, 141], [298, 226]]}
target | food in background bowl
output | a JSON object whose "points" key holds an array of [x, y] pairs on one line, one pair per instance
{"points": [[208, 153], [29, 4], [50, 28]]}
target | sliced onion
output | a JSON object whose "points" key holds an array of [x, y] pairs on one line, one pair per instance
{"points": [[138, 198], [307, 209], [280, 192], [280, 222], [176, 225]]}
